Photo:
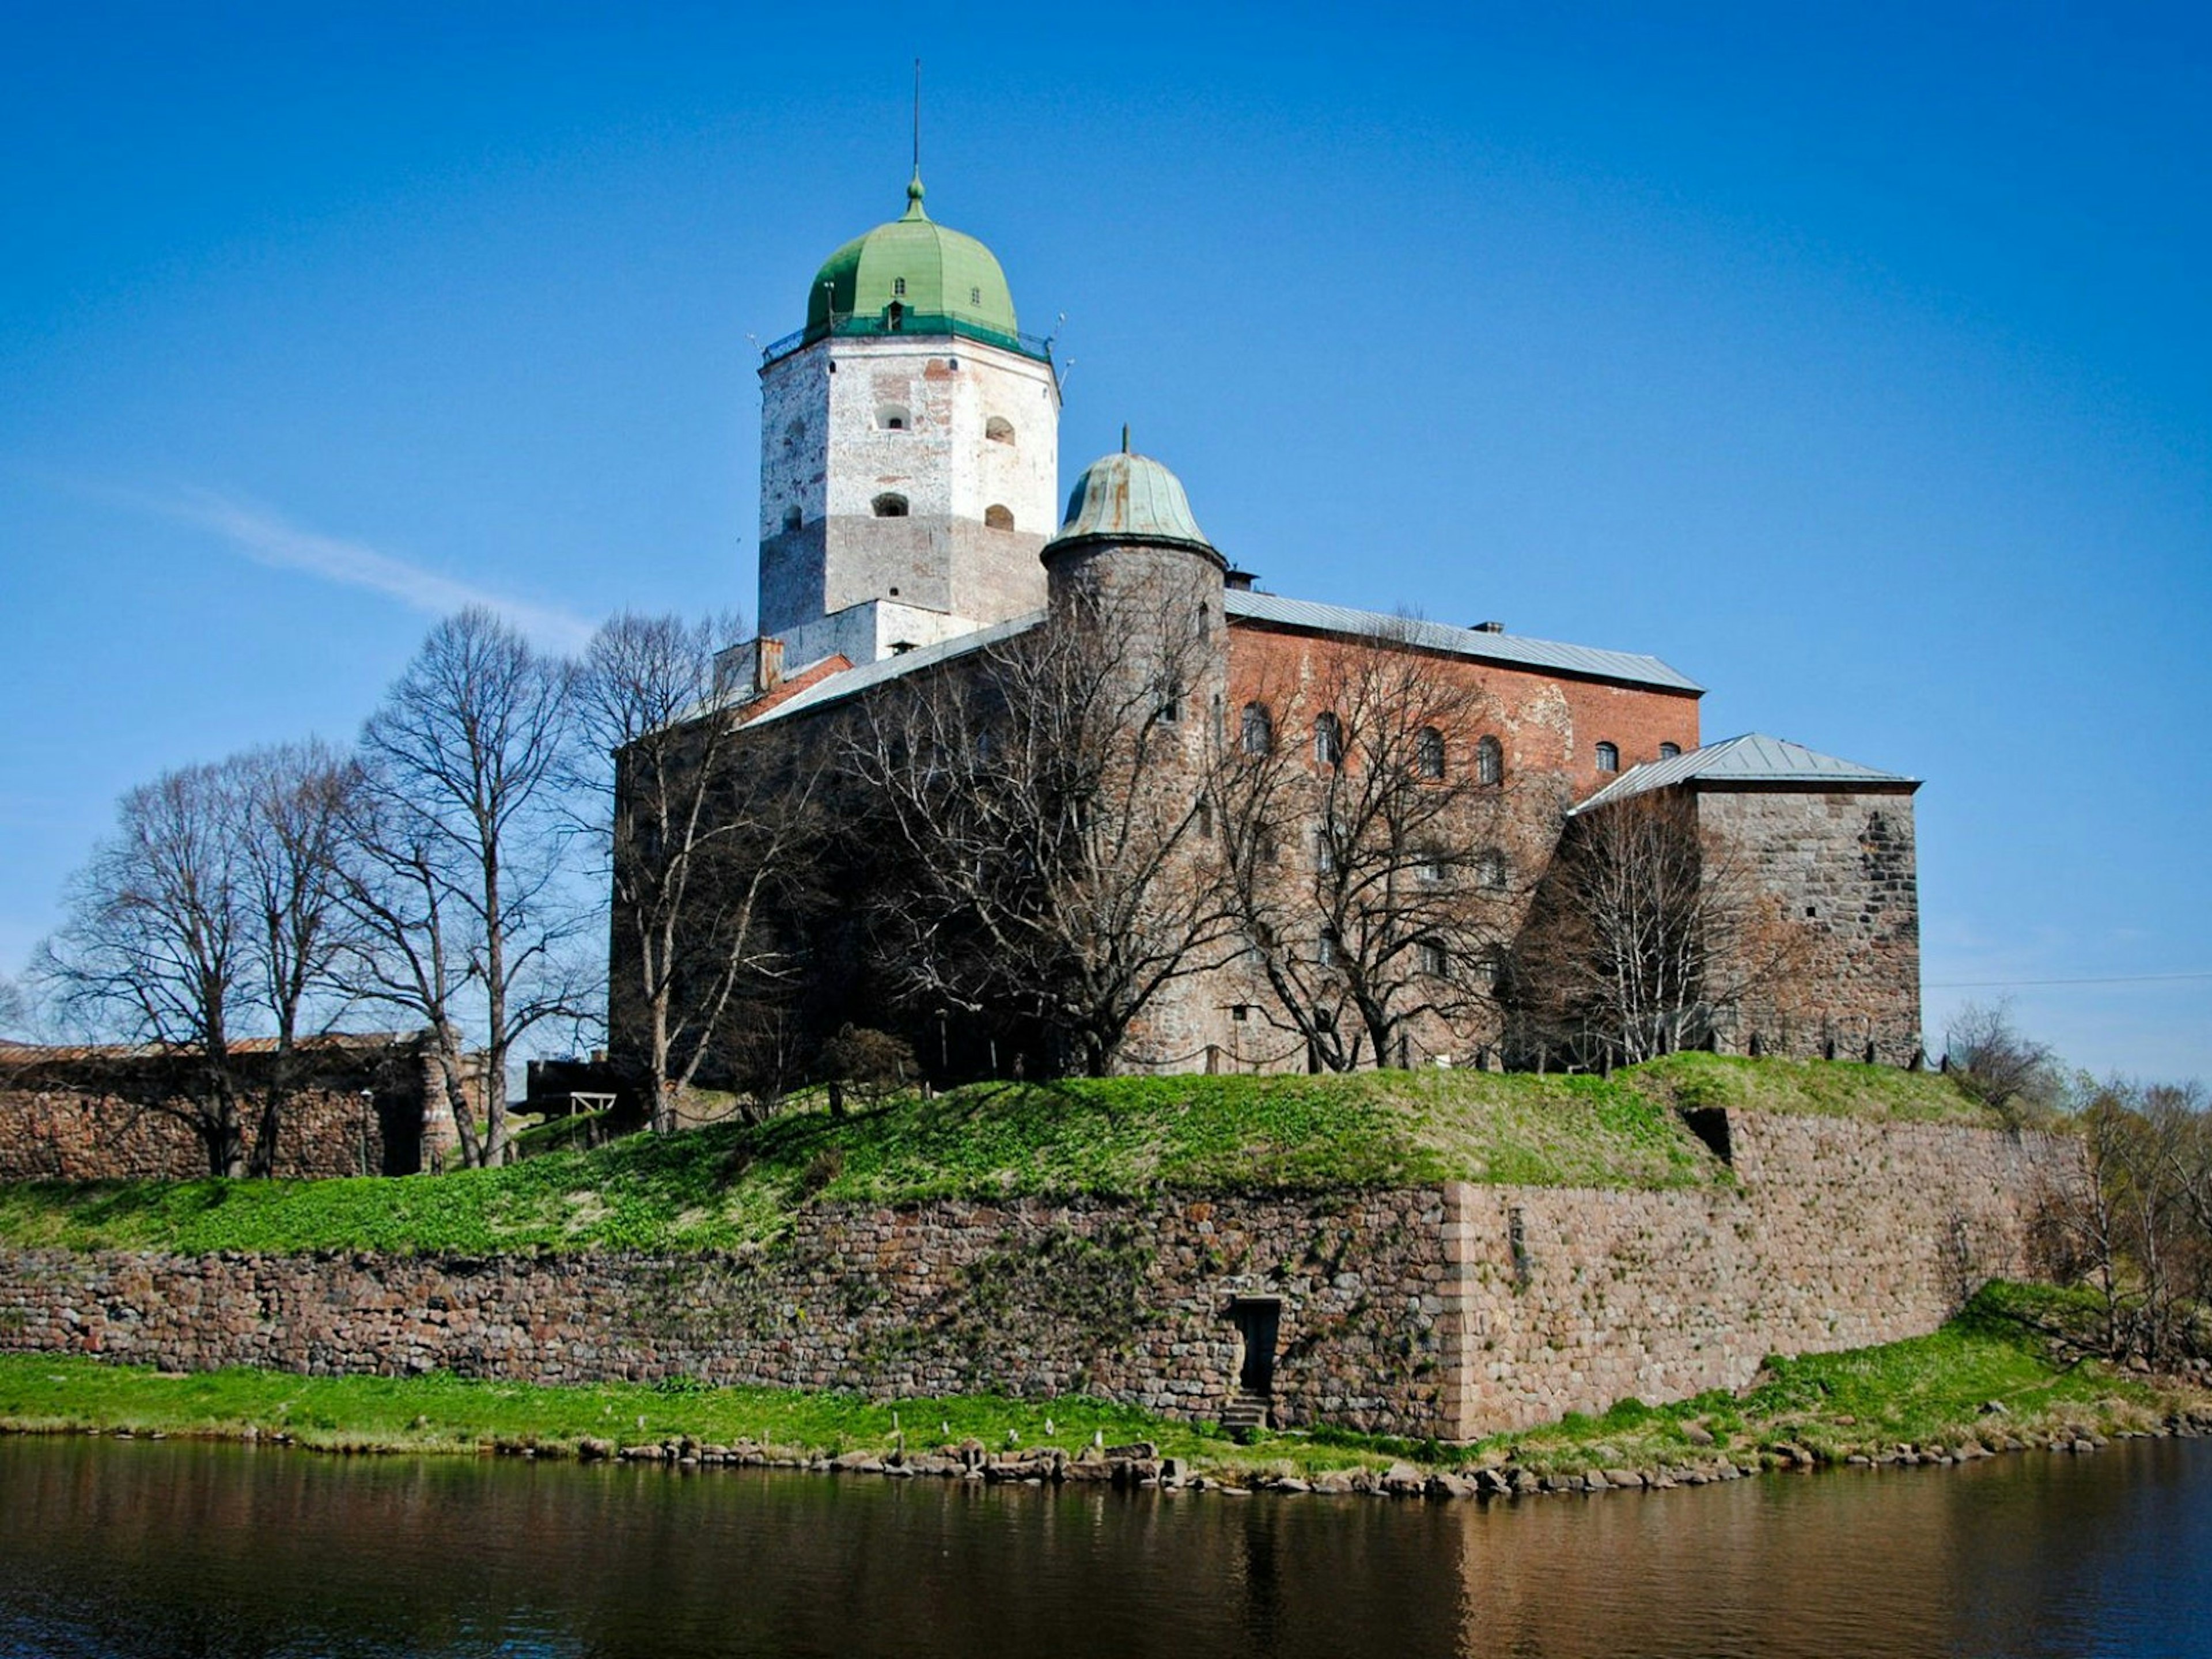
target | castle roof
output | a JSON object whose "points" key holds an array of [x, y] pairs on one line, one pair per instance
{"points": [[940, 281], [1753, 758], [1513, 649], [1125, 497], [836, 688]]}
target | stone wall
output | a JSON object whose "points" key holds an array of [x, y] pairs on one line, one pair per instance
{"points": [[1453, 1312], [1842, 1233], [1842, 863], [77, 1134], [1127, 1302]]}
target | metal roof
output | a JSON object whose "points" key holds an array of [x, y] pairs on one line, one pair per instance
{"points": [[1753, 757], [836, 688], [1509, 648]]}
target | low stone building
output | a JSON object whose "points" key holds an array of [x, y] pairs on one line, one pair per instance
{"points": [[355, 1103]]}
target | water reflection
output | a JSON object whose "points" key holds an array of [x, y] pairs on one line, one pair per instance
{"points": [[138, 1548]]}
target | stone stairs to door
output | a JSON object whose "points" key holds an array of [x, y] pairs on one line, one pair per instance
{"points": [[1246, 1411]]}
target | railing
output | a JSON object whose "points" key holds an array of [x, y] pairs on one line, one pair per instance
{"points": [[875, 324]]}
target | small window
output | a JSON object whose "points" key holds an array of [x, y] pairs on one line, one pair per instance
{"points": [[1434, 961], [898, 286], [1429, 870], [793, 517], [999, 429], [1489, 761], [888, 506], [1489, 970], [1325, 850], [1257, 736], [1429, 754], [1205, 819], [1328, 741], [1668, 750], [975, 296], [1329, 950], [998, 517], [894, 318], [894, 417], [1608, 757], [1240, 1012], [1490, 870]]}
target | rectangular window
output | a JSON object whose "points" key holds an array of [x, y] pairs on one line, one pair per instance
{"points": [[1332, 949]]}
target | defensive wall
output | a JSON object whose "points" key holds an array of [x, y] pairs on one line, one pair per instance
{"points": [[1451, 1310]]}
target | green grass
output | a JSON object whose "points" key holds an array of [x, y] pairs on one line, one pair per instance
{"points": [[2014, 1344], [1927, 1391], [1817, 1087], [735, 1187]]}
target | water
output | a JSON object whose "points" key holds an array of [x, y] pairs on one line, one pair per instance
{"points": [[135, 1548]]}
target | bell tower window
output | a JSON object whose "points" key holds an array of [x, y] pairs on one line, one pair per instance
{"points": [[888, 506]]}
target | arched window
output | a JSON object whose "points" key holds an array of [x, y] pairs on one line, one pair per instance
{"points": [[1329, 740], [1257, 736], [1668, 750], [898, 285], [1608, 757], [793, 517], [1490, 870], [888, 506], [998, 517], [1489, 761], [1429, 754], [894, 417], [999, 429]]}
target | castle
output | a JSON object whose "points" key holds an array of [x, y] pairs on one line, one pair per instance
{"points": [[911, 533]]}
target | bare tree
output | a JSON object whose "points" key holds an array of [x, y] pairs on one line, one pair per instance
{"points": [[710, 836], [1644, 929], [456, 866], [156, 946], [14, 1006], [294, 801], [1365, 845], [1992, 1061], [1043, 809], [2136, 1229], [206, 920]]}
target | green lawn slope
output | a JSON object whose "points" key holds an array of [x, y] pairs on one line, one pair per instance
{"points": [[738, 1186]]}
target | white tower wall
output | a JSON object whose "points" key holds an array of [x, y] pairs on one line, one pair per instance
{"points": [[850, 420]]}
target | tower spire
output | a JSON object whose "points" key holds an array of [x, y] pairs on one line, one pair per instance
{"points": [[913, 190]]}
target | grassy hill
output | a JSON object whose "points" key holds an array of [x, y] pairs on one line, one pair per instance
{"points": [[736, 1187]]}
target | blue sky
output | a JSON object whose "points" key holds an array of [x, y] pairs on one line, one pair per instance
{"points": [[1854, 359]]}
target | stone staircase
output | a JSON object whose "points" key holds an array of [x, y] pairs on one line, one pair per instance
{"points": [[1246, 1412]]}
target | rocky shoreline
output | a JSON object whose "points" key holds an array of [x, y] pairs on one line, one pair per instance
{"points": [[1140, 1466]]}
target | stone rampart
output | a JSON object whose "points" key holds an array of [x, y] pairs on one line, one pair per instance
{"points": [[1453, 1311]]}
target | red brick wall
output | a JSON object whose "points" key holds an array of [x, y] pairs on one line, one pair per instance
{"points": [[1548, 725]]}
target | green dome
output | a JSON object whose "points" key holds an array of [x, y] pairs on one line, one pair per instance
{"points": [[1130, 498], [941, 283]]}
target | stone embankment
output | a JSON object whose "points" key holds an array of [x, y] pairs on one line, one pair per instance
{"points": [[1446, 1313]]}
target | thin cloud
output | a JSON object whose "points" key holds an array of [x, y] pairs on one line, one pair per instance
{"points": [[270, 539]]}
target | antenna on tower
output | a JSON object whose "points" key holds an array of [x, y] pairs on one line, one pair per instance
{"points": [[917, 117]]}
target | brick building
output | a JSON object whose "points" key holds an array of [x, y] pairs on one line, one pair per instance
{"points": [[908, 480]]}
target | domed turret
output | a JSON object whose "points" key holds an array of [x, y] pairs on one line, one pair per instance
{"points": [[1131, 500], [913, 276]]}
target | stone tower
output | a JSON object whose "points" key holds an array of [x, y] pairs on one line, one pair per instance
{"points": [[909, 444]]}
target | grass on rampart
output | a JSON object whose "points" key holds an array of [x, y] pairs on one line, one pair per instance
{"points": [[1822, 1088], [738, 1186], [1933, 1391]]}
